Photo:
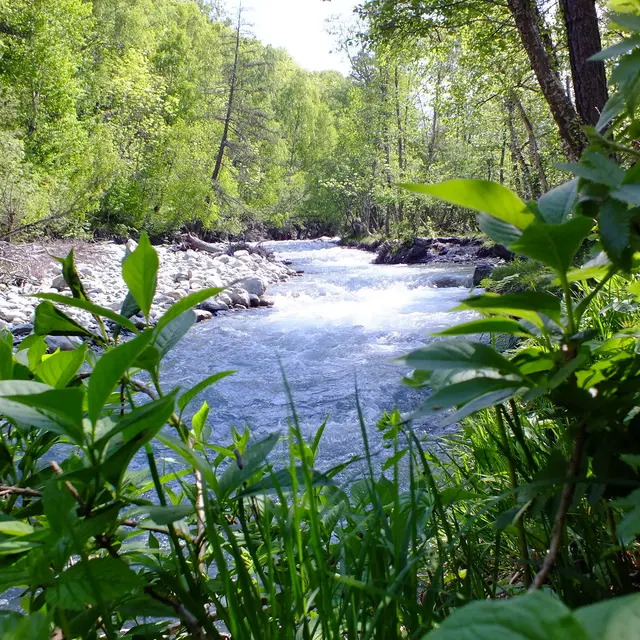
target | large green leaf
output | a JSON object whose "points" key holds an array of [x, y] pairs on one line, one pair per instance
{"points": [[459, 355], [189, 395], [487, 325], [527, 305], [613, 619], [135, 430], [615, 225], [166, 337], [282, 480], [460, 393], [535, 616], [50, 321], [6, 355], [185, 304], [483, 402], [498, 230], [80, 303], [553, 244], [481, 195], [556, 205], [139, 271], [61, 367], [82, 583], [110, 369]]}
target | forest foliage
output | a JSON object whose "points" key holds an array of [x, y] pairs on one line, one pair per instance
{"points": [[161, 115]]}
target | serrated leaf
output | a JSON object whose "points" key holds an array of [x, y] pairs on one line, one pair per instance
{"points": [[555, 245], [614, 223], [185, 304], [168, 336], [498, 230]]}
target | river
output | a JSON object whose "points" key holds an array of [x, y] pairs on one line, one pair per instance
{"points": [[340, 324]]}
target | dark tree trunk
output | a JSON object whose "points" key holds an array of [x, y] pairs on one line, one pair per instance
{"points": [[227, 119], [589, 78], [527, 19]]}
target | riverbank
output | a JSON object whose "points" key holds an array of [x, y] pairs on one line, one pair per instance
{"points": [[28, 269], [442, 250]]}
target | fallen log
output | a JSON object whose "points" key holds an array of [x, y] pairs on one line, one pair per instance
{"points": [[193, 242]]}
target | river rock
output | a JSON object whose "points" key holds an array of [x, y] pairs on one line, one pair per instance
{"points": [[254, 300], [64, 343], [213, 306], [131, 245], [239, 297], [481, 272], [254, 284], [266, 302], [203, 314], [59, 283], [450, 280]]}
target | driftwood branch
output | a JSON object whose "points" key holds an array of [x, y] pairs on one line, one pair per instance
{"points": [[6, 490], [200, 245]]}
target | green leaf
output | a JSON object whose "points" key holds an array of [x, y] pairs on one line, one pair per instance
{"points": [[459, 355], [185, 304], [556, 205], [527, 305], [189, 395], [615, 223], [110, 577], [596, 167], [90, 307], [60, 368], [618, 49], [71, 277], [110, 369], [282, 480], [253, 459], [62, 407], [192, 458], [554, 244], [170, 513], [11, 527], [483, 402], [613, 619], [498, 230], [481, 195], [629, 193], [168, 336], [487, 325], [50, 321], [535, 616], [137, 428], [460, 393], [139, 271], [6, 355], [199, 420], [596, 272], [15, 626]]}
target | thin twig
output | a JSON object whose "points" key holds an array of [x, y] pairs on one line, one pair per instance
{"points": [[6, 490], [70, 488], [190, 622], [565, 502]]}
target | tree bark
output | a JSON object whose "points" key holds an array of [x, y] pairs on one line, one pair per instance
{"points": [[527, 19], [583, 38], [232, 88]]}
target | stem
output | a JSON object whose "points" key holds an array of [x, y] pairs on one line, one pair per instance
{"points": [[568, 300], [565, 502], [522, 534]]}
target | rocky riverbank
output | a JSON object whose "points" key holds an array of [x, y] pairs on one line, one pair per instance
{"points": [[30, 269], [451, 250]]}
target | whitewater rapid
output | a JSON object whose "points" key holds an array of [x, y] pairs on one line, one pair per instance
{"points": [[341, 324]]}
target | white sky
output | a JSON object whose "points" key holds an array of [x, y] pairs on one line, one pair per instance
{"points": [[299, 27]]}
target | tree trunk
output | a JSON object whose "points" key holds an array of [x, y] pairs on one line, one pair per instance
{"points": [[232, 88], [541, 186], [589, 78], [527, 19]]}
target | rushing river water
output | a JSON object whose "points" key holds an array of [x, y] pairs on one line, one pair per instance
{"points": [[343, 322]]}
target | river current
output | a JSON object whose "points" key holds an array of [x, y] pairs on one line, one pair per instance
{"points": [[341, 324]]}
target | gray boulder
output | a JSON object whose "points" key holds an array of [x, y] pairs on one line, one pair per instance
{"points": [[253, 284], [239, 297]]}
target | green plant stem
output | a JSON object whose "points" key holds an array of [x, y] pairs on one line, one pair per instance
{"points": [[561, 515], [568, 300], [522, 534]]}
